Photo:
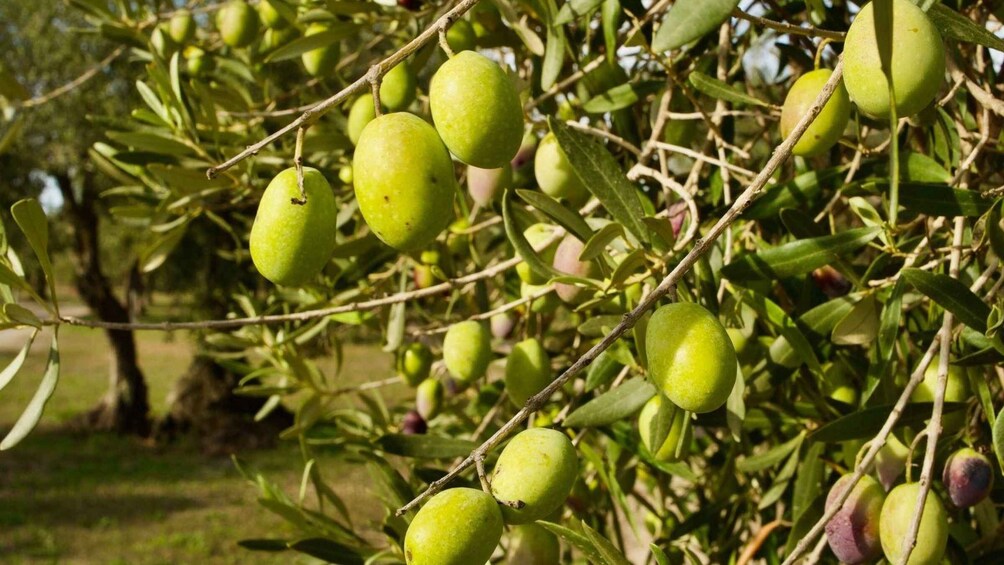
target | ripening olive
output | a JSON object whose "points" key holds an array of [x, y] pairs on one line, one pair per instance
{"points": [[413, 424], [677, 427], [414, 363], [459, 526], [530, 544], [182, 26], [429, 398], [522, 163], [467, 350], [537, 468], [536, 235], [403, 180], [853, 533], [476, 110], [321, 61], [917, 61], [566, 260], [397, 89], [527, 371], [291, 243], [690, 357], [968, 477], [838, 385], [554, 173], [502, 325], [487, 185], [824, 131], [238, 23], [897, 516], [890, 461]]}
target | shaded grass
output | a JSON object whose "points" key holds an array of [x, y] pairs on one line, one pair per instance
{"points": [[67, 497]]}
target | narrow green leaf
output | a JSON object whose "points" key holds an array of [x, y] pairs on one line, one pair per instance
{"points": [[31, 219], [865, 423], [601, 371], [998, 437], [519, 242], [618, 97], [574, 9], [611, 406], [335, 33], [941, 200], [611, 19], [576, 540], [797, 257], [602, 175], [956, 26], [8, 373], [917, 167], [154, 255], [33, 412], [554, 51], [860, 325], [689, 20], [723, 91], [771, 457], [327, 550], [807, 484], [794, 338], [571, 221], [735, 406], [952, 295], [610, 554], [21, 315], [600, 240], [425, 446], [659, 555], [150, 142]]}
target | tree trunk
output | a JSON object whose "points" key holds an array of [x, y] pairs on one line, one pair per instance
{"points": [[125, 408], [203, 403]]}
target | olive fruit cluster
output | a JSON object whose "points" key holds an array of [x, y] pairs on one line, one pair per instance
{"points": [[871, 523], [403, 194], [531, 480]]}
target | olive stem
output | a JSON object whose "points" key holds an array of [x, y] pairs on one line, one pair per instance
{"points": [[298, 163], [486, 486], [443, 43], [934, 426], [790, 28], [702, 246], [374, 78]]}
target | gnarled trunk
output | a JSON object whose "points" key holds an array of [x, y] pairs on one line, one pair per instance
{"points": [[125, 408]]}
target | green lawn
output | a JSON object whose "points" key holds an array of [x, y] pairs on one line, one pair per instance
{"points": [[67, 497]]}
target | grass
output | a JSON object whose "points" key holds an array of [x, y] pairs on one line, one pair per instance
{"points": [[67, 497]]}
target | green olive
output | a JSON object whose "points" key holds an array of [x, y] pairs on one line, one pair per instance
{"points": [[238, 23], [677, 428], [476, 110], [291, 243], [467, 350], [414, 363], [917, 61], [956, 390], [527, 371], [897, 516], [403, 180], [459, 526], [320, 62], [824, 132], [429, 398], [690, 357], [397, 89], [535, 471], [460, 36], [182, 26], [271, 17], [361, 113], [530, 544], [554, 173]]}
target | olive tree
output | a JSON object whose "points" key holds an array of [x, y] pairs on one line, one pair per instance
{"points": [[728, 253]]}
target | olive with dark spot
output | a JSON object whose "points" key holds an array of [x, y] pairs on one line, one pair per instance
{"points": [[968, 477]]}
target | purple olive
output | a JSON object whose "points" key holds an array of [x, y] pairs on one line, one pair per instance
{"points": [[968, 477], [853, 533], [413, 424]]}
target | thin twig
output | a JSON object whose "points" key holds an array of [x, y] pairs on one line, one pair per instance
{"points": [[789, 28], [86, 76]]}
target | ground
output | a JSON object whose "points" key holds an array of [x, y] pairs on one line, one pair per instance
{"points": [[67, 497]]}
